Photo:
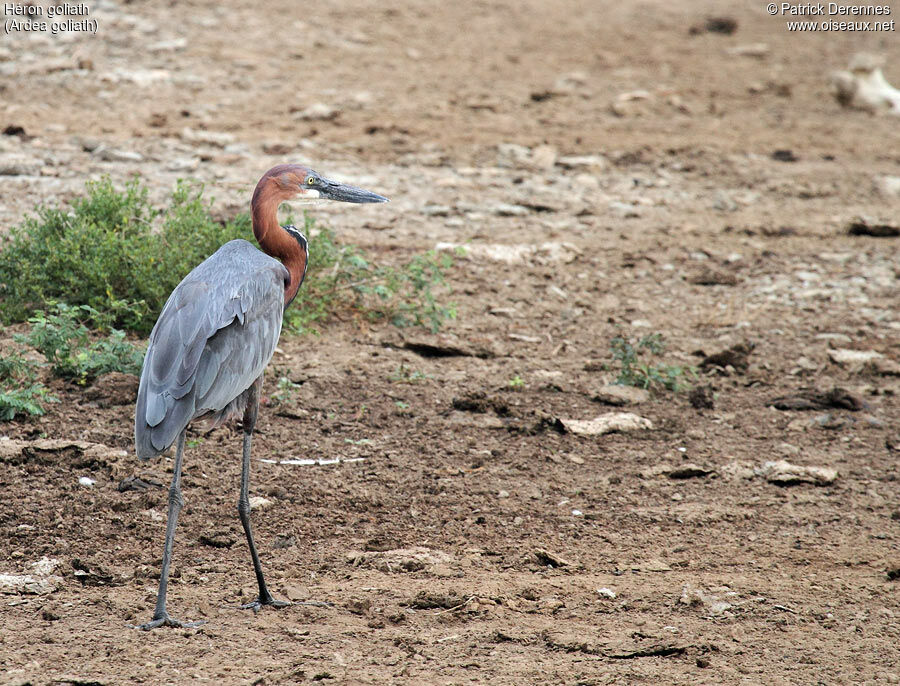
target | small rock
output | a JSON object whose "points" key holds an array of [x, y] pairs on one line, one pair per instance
{"points": [[257, 502], [889, 186], [695, 597], [116, 155], [545, 557], [583, 163], [625, 210], [757, 50], [15, 164], [543, 157], [606, 593], [606, 423], [507, 210], [846, 357], [218, 139], [883, 367], [784, 473], [318, 111], [620, 395], [86, 481], [689, 470]]}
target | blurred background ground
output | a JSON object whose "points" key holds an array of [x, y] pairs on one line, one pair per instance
{"points": [[657, 177]]}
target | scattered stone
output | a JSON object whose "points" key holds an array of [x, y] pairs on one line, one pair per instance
{"points": [[702, 397], [139, 77], [545, 253], [689, 470], [217, 139], [17, 164], [183, 164], [784, 473], [606, 423], [837, 397], [757, 50], [507, 210], [736, 356], [89, 574], [864, 87], [696, 597], [866, 227], [709, 276], [738, 470], [116, 155], [318, 111], [42, 582], [784, 155], [620, 395], [853, 358], [549, 559], [583, 163], [625, 210], [543, 157], [889, 186]]}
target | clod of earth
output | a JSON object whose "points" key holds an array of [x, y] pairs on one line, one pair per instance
{"points": [[838, 398], [865, 227], [446, 345], [736, 356]]}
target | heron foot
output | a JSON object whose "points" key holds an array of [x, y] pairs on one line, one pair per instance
{"points": [[262, 600], [166, 620]]}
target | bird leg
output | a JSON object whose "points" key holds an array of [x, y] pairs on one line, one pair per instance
{"points": [[250, 414], [176, 501]]}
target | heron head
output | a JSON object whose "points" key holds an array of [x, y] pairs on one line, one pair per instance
{"points": [[297, 181]]}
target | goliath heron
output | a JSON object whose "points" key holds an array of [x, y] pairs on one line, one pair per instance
{"points": [[215, 336]]}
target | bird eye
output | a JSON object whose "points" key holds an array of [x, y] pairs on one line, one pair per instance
{"points": [[311, 180]]}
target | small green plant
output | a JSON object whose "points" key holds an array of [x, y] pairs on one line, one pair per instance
{"points": [[404, 374], [20, 392], [516, 383], [342, 280], [286, 390], [636, 370], [62, 337]]}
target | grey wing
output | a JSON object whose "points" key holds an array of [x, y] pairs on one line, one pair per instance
{"points": [[214, 337]]}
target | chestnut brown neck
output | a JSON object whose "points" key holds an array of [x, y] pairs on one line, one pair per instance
{"points": [[273, 238]]}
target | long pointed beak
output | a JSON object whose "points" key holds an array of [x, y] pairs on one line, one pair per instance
{"points": [[346, 193]]}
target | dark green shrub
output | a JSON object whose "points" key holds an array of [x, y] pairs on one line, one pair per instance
{"points": [[116, 254]]}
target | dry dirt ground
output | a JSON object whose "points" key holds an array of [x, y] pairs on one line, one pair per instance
{"points": [[465, 535]]}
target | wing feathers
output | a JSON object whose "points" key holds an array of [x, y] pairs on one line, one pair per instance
{"points": [[214, 337]]}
